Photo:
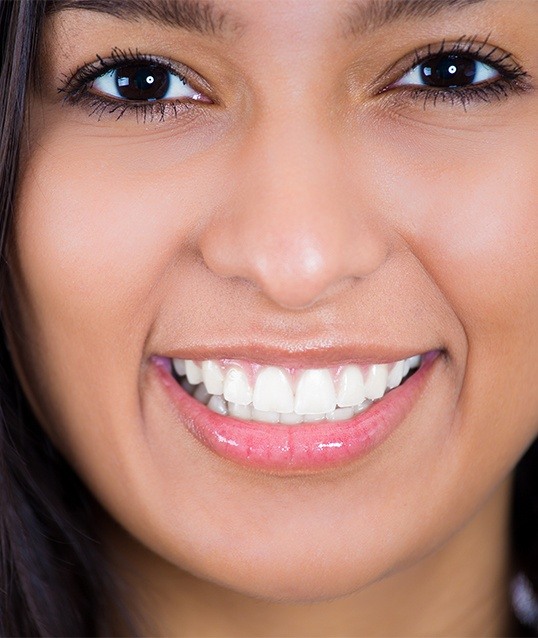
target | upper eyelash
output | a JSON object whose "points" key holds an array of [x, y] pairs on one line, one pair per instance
{"points": [[75, 87], [78, 79], [467, 45], [514, 77]]}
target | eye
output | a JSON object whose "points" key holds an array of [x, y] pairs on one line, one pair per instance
{"points": [[449, 71], [141, 82]]}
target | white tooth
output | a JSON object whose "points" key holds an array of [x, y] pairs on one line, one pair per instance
{"points": [[312, 418], [193, 371], [272, 391], [179, 367], [236, 386], [396, 375], [406, 367], [376, 382], [218, 405], [414, 362], [350, 387], [213, 377], [240, 411], [340, 414], [315, 393], [201, 394], [291, 418], [262, 415], [362, 407]]}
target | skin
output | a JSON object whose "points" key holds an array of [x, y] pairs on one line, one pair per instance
{"points": [[237, 224]]}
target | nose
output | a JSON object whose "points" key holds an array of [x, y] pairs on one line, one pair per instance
{"points": [[298, 223]]}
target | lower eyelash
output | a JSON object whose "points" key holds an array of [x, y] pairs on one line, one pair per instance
{"points": [[76, 90], [144, 112], [465, 97], [514, 79]]}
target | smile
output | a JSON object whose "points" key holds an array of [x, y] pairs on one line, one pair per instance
{"points": [[287, 419], [280, 395]]}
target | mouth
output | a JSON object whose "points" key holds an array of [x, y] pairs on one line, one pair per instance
{"points": [[275, 394], [284, 418]]}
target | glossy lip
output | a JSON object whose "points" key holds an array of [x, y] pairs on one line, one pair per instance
{"points": [[305, 447]]}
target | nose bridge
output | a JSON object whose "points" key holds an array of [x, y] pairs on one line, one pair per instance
{"points": [[292, 225]]}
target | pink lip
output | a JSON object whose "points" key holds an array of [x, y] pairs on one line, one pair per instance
{"points": [[283, 448]]}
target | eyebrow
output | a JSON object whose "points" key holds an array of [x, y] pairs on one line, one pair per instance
{"points": [[199, 16], [362, 18], [204, 17]]}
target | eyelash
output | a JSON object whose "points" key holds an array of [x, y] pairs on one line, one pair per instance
{"points": [[514, 79], [76, 87]]}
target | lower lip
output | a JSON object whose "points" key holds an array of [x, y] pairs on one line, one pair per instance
{"points": [[284, 448]]}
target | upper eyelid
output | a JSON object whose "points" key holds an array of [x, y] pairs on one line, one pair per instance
{"points": [[467, 46], [85, 74], [471, 46], [78, 81]]}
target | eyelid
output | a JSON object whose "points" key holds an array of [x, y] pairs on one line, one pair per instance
{"points": [[105, 85], [80, 79], [482, 51]]}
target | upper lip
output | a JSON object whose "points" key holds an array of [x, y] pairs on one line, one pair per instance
{"points": [[301, 355]]}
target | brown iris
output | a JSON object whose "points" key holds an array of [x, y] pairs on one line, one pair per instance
{"points": [[142, 82], [449, 71]]}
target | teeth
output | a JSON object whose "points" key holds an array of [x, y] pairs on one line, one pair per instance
{"points": [[179, 367], [218, 405], [340, 414], [213, 377], [362, 407], [291, 418], [261, 415], [272, 392], [194, 372], [286, 396], [201, 394], [396, 375], [315, 393], [236, 386], [376, 383], [240, 411], [350, 387]]}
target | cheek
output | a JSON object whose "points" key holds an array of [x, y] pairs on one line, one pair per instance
{"points": [[486, 232], [98, 225], [99, 235], [471, 219]]}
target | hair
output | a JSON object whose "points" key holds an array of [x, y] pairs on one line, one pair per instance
{"points": [[54, 579]]}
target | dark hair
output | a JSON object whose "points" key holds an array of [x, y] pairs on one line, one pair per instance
{"points": [[54, 580]]}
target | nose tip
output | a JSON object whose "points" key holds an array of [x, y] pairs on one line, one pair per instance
{"points": [[295, 224], [311, 272], [294, 259]]}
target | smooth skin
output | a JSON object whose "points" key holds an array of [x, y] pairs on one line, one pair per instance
{"points": [[303, 209]]}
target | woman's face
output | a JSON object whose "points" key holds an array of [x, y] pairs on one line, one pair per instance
{"points": [[333, 185]]}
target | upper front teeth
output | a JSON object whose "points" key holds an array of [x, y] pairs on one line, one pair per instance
{"points": [[315, 393], [272, 391], [277, 394]]}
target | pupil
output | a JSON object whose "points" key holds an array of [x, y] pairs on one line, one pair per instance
{"points": [[449, 71], [142, 83]]}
